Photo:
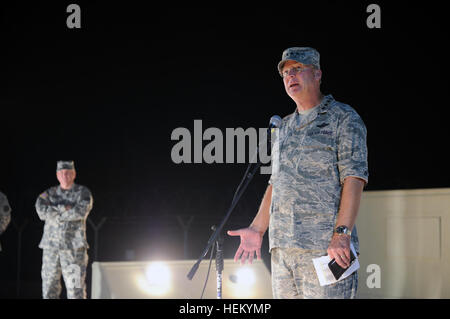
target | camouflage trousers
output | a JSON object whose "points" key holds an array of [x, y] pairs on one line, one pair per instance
{"points": [[72, 264], [294, 277]]}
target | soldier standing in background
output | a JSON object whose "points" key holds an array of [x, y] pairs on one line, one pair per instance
{"points": [[5, 214], [64, 209], [319, 170]]}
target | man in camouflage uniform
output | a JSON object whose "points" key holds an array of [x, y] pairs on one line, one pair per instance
{"points": [[5, 214], [64, 209], [319, 170]]}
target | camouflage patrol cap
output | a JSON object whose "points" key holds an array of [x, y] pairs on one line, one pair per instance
{"points": [[305, 55], [64, 165]]}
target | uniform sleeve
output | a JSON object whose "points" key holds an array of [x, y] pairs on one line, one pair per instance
{"points": [[5, 213], [45, 208], [352, 148], [81, 209]]}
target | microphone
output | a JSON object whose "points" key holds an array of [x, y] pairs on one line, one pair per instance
{"points": [[275, 122]]}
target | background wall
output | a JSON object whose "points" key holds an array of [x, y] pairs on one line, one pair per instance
{"points": [[406, 233]]}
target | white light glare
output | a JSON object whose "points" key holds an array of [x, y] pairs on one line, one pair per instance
{"points": [[157, 279], [245, 276], [243, 283]]}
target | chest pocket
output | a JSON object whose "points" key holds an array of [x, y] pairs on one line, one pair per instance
{"points": [[317, 156], [316, 162]]}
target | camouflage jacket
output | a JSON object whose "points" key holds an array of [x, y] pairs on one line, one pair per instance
{"points": [[64, 228], [5, 214], [312, 154]]}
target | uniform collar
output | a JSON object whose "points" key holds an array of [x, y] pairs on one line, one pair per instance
{"points": [[322, 108], [66, 190], [325, 103]]}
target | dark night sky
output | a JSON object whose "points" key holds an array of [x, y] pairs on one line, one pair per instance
{"points": [[109, 95]]}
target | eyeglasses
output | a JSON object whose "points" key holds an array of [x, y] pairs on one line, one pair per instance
{"points": [[295, 70]]}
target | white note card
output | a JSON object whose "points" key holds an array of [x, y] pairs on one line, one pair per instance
{"points": [[324, 273]]}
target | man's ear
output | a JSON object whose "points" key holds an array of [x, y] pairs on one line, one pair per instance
{"points": [[318, 74]]}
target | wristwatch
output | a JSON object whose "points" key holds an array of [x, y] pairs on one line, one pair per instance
{"points": [[342, 230]]}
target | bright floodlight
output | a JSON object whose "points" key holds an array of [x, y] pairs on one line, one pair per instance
{"points": [[245, 276], [243, 281], [157, 280]]}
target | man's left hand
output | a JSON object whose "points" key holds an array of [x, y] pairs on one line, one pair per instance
{"points": [[339, 249]]}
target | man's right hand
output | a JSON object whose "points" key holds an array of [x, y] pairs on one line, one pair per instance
{"points": [[251, 241]]}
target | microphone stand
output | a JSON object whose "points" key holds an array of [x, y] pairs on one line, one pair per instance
{"points": [[215, 237], [219, 264]]}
